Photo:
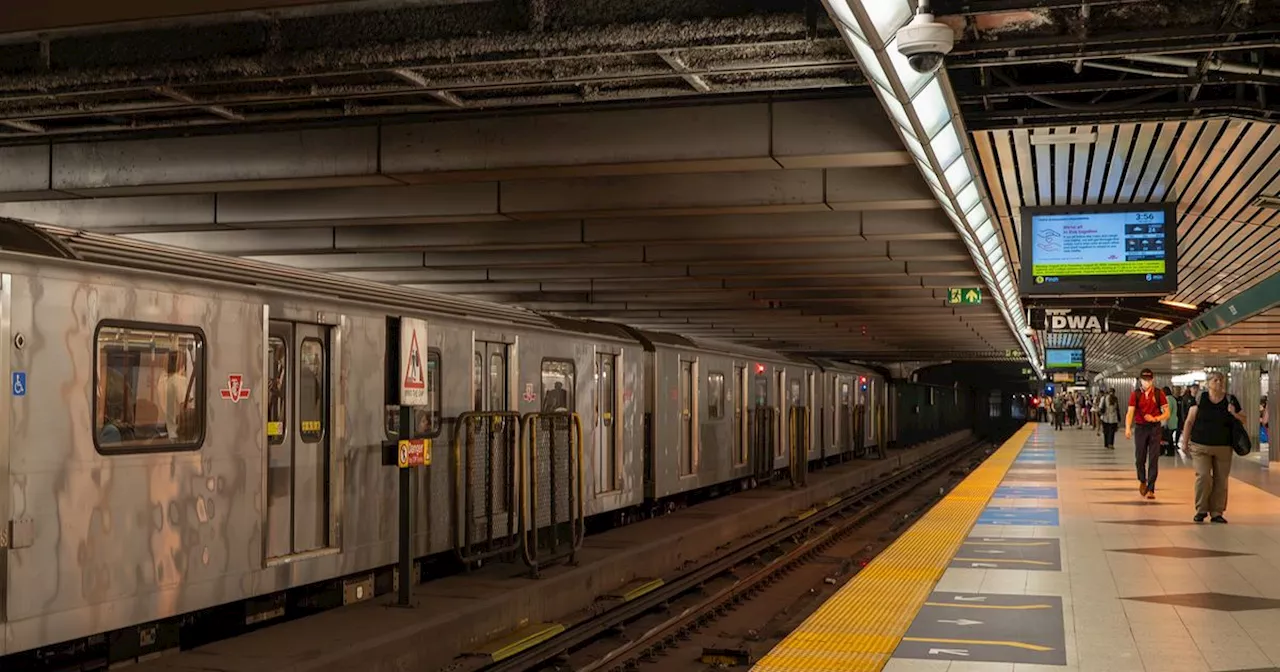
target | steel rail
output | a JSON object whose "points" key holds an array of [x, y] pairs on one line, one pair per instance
{"points": [[872, 498]]}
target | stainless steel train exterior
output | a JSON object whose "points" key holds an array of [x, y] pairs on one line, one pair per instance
{"points": [[187, 430]]}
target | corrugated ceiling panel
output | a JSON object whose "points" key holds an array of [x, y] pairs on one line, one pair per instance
{"points": [[1215, 168]]}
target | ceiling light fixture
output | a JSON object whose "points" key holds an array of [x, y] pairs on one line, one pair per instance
{"points": [[1079, 138], [1140, 332], [1272, 202], [1158, 321], [1179, 304], [921, 105]]}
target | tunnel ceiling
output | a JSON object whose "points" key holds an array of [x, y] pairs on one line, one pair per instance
{"points": [[359, 60], [709, 167]]}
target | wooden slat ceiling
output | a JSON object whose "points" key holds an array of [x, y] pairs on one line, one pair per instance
{"points": [[1213, 168], [1250, 340]]}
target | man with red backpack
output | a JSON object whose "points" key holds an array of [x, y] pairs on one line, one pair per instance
{"points": [[1148, 409]]}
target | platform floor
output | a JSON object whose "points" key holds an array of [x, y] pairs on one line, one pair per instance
{"points": [[1068, 568]]}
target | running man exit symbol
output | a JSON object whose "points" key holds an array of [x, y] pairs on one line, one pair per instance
{"points": [[964, 296]]}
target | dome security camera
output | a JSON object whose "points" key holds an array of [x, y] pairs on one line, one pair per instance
{"points": [[924, 41]]}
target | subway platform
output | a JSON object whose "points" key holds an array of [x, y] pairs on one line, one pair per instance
{"points": [[1047, 558]]}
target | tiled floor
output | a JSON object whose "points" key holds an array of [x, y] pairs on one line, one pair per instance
{"points": [[1142, 586]]}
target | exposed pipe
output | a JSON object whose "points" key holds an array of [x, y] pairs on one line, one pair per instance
{"points": [[1219, 66]]}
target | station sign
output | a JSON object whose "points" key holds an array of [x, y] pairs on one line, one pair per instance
{"points": [[1062, 377], [414, 382], [414, 453], [964, 296], [1069, 321]]}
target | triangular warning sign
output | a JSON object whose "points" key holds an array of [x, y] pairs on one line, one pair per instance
{"points": [[413, 378]]}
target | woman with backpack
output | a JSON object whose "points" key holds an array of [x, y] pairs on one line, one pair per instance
{"points": [[1109, 415], [1207, 438]]}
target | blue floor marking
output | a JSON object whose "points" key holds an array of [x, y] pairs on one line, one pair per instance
{"points": [[1017, 515], [1026, 492]]}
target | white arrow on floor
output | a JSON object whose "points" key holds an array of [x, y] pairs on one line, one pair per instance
{"points": [[949, 652], [976, 598], [984, 564], [960, 621]]}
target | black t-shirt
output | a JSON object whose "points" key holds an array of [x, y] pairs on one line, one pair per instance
{"points": [[1213, 421]]}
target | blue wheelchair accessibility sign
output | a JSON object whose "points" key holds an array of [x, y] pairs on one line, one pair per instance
{"points": [[19, 383]]}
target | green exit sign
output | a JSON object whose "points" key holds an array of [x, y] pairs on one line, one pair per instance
{"points": [[964, 296], [1028, 372]]}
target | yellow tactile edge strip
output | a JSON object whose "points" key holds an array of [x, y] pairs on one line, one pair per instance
{"points": [[859, 627]]}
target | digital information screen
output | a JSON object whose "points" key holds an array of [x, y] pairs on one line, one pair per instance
{"points": [[1064, 359], [1099, 250]]}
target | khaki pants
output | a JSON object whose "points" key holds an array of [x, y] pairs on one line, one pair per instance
{"points": [[1213, 471]]}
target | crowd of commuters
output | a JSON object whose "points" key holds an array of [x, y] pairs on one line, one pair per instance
{"points": [[1162, 420]]}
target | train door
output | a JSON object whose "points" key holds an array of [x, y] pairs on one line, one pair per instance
{"points": [[688, 423], [298, 447], [489, 377], [606, 421], [739, 415], [844, 413], [781, 444]]}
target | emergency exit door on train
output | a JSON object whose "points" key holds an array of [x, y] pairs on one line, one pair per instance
{"points": [[298, 464]]}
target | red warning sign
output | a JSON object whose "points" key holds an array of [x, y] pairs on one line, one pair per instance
{"points": [[414, 382], [414, 378]]}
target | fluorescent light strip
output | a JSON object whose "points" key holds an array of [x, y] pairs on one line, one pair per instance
{"points": [[1158, 321], [1179, 304], [933, 114]]}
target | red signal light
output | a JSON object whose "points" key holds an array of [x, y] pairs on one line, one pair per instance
{"points": [[759, 368]]}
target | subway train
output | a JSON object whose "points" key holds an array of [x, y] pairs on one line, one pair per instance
{"points": [[190, 434]]}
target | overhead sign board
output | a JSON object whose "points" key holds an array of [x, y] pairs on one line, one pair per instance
{"points": [[1064, 359], [1100, 250], [1063, 378], [1070, 321], [964, 296], [415, 384], [1082, 378]]}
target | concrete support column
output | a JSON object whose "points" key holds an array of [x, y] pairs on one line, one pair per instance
{"points": [[1245, 381]]}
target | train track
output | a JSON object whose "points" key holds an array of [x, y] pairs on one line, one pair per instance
{"points": [[664, 619]]}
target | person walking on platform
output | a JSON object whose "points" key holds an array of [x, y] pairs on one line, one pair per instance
{"points": [[1059, 409], [1109, 415], [1208, 431], [1148, 409]]}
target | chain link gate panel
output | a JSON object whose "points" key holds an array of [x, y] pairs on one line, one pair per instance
{"points": [[763, 423], [552, 490], [485, 481], [800, 442]]}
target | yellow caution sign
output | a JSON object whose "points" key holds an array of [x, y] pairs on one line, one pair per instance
{"points": [[414, 453]]}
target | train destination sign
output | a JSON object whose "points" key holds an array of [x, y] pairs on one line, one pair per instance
{"points": [[1099, 250]]}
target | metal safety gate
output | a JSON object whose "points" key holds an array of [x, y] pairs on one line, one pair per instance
{"points": [[552, 489], [800, 441], [763, 422], [485, 481]]}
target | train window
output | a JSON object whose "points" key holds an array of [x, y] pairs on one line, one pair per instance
{"points": [[277, 403], [148, 392], [426, 423], [477, 379], [311, 392], [497, 381], [795, 398], [558, 376], [715, 395]]}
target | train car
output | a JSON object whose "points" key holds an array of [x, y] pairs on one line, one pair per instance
{"points": [[188, 431], [851, 396]]}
